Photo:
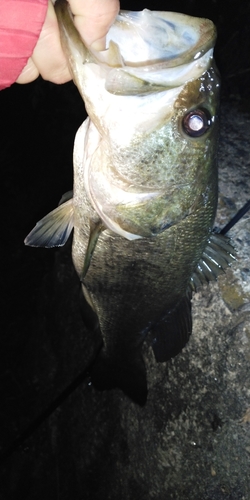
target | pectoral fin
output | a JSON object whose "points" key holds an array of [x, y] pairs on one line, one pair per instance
{"points": [[95, 231], [54, 229], [172, 331], [217, 256]]}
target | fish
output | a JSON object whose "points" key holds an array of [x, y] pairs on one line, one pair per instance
{"points": [[145, 187]]}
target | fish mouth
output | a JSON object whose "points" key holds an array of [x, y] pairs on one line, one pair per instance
{"points": [[148, 50], [148, 37]]}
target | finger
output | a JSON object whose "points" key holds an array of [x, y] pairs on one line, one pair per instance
{"points": [[93, 19], [47, 58], [29, 73]]}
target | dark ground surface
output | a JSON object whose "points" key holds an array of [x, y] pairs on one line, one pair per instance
{"points": [[192, 440]]}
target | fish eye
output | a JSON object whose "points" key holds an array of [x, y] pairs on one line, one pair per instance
{"points": [[196, 122]]}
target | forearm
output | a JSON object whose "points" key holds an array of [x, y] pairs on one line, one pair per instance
{"points": [[30, 42], [21, 22]]}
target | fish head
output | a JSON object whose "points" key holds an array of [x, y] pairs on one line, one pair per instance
{"points": [[152, 99]]}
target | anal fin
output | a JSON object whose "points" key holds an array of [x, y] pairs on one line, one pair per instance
{"points": [[172, 331], [130, 377]]}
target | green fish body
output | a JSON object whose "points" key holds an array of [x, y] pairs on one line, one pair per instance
{"points": [[145, 186]]}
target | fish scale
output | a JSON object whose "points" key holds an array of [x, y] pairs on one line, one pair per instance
{"points": [[156, 270]]}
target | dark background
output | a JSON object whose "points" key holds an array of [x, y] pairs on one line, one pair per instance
{"points": [[38, 125]]}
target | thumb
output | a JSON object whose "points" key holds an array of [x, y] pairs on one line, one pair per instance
{"points": [[93, 19]]}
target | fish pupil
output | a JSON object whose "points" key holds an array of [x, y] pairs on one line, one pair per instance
{"points": [[196, 122]]}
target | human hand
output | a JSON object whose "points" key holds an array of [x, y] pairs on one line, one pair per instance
{"points": [[92, 18]]}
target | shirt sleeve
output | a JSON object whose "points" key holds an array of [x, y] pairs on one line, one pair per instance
{"points": [[20, 24]]}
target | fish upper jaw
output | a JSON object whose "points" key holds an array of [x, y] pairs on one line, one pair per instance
{"points": [[144, 80]]}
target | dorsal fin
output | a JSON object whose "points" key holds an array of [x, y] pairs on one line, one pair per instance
{"points": [[216, 257], [54, 229]]}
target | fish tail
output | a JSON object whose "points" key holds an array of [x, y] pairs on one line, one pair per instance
{"points": [[130, 377]]}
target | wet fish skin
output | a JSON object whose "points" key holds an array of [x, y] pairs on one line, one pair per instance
{"points": [[151, 189]]}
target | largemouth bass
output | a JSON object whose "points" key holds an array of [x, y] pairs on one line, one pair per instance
{"points": [[145, 186]]}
